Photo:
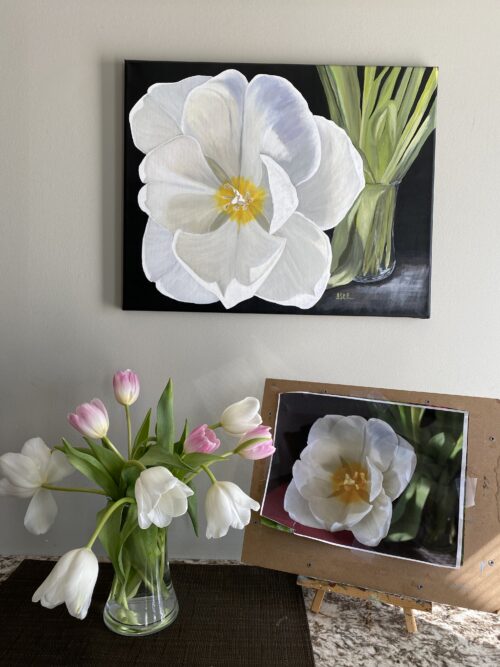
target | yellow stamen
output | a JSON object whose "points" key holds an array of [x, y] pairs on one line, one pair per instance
{"points": [[350, 483], [240, 199]]}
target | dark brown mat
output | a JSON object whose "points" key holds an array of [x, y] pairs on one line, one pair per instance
{"points": [[230, 616]]}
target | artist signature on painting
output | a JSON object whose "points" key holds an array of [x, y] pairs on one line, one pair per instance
{"points": [[344, 296]]}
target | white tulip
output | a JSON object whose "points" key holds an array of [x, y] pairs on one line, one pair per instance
{"points": [[227, 506], [71, 581], [348, 475], [24, 475], [160, 497], [241, 417], [241, 183]]}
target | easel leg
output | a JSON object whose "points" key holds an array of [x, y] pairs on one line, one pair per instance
{"points": [[411, 623], [318, 599]]}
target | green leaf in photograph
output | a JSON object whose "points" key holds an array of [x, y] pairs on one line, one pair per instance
{"points": [[407, 524], [274, 524]]}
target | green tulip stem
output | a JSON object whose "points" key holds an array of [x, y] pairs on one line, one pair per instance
{"points": [[214, 426], [129, 431], [106, 516], [51, 487], [213, 479], [107, 443]]}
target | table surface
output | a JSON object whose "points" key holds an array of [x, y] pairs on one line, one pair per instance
{"points": [[346, 630]]}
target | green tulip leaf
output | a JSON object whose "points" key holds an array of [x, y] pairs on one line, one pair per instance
{"points": [[165, 424], [110, 536], [142, 435], [112, 463], [193, 508], [156, 456], [90, 467], [197, 459], [179, 445]]}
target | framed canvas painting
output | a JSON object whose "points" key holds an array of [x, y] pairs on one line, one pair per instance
{"points": [[278, 188]]}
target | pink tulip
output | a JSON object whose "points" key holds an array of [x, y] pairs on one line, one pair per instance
{"points": [[126, 386], [90, 419], [201, 439], [256, 444]]}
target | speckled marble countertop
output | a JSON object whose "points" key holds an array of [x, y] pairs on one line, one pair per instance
{"points": [[351, 632]]}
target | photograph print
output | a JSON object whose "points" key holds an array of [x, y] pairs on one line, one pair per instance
{"points": [[369, 475], [278, 188]]}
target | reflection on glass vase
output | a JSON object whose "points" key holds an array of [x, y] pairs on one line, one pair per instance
{"points": [[142, 599], [374, 222]]}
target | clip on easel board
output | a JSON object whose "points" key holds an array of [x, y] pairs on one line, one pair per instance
{"points": [[435, 534]]}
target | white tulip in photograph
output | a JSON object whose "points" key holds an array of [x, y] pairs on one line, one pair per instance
{"points": [[241, 182], [348, 476]]}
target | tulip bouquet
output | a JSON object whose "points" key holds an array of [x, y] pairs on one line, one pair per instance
{"points": [[144, 489]]}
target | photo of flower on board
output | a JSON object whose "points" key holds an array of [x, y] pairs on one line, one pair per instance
{"points": [[368, 474], [275, 188]]}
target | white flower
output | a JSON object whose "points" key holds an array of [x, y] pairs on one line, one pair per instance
{"points": [[227, 506], [25, 473], [241, 417], [241, 182], [348, 475], [71, 581], [160, 497]]}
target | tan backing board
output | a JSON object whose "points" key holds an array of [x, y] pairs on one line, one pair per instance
{"points": [[476, 584]]}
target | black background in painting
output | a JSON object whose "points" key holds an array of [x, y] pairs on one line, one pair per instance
{"points": [[405, 293]]}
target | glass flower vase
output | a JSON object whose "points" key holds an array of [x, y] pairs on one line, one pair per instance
{"points": [[374, 221], [142, 600]]}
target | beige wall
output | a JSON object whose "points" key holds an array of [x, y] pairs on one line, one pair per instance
{"points": [[62, 331]]}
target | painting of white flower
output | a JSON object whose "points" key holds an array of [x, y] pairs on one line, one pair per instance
{"points": [[348, 476], [241, 182]]}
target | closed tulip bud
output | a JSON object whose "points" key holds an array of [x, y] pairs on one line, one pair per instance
{"points": [[201, 439], [126, 386], [256, 444], [71, 581], [90, 419], [227, 506], [240, 417]]}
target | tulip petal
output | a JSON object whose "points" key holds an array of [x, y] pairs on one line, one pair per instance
{"points": [[8, 489], [213, 114], [383, 443], [375, 525], [37, 451], [336, 514], [278, 122], [327, 196], [313, 480], [20, 470], [52, 590], [41, 512], [156, 117], [301, 275], [59, 467], [401, 470], [283, 200], [241, 417], [298, 509], [232, 262], [180, 186], [161, 267]]}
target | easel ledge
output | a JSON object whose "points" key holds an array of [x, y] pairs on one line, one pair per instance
{"points": [[409, 605]]}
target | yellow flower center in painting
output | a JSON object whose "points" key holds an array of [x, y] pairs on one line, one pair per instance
{"points": [[240, 199], [350, 483]]}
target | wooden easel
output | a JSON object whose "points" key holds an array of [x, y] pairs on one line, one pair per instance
{"points": [[407, 604]]}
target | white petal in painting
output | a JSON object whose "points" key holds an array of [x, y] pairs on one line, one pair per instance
{"points": [[327, 196], [213, 114], [161, 267], [344, 440], [301, 275], [283, 195], [375, 525], [312, 480], [232, 262], [383, 443], [156, 117], [401, 470], [278, 123], [298, 508]]}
